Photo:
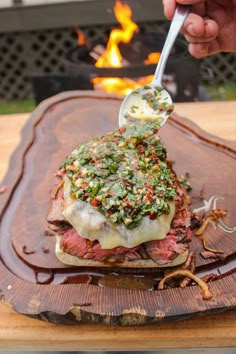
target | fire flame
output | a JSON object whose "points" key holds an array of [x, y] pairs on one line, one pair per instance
{"points": [[153, 58], [113, 58], [81, 39]]}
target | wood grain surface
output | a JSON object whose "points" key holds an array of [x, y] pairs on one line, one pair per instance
{"points": [[192, 332]]}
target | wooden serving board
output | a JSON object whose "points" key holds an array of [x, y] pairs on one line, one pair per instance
{"points": [[35, 283]]}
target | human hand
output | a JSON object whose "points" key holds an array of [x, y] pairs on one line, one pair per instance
{"points": [[210, 27]]}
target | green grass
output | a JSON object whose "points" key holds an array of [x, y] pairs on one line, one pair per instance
{"points": [[225, 92], [17, 106]]}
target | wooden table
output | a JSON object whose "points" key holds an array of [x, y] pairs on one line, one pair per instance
{"points": [[17, 331]]}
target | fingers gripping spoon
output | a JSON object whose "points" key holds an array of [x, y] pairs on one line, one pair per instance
{"points": [[153, 101]]}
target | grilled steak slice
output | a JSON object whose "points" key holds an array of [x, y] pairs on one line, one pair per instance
{"points": [[55, 215], [163, 251], [160, 251], [76, 245]]}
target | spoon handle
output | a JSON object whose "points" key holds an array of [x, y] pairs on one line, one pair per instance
{"points": [[181, 13]]}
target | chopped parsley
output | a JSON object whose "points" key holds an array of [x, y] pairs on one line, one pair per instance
{"points": [[154, 98]]}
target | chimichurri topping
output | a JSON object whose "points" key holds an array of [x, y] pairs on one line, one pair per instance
{"points": [[123, 174], [152, 102], [155, 100]]}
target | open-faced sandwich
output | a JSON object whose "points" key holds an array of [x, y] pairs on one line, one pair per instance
{"points": [[117, 201]]}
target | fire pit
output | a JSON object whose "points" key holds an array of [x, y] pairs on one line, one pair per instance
{"points": [[128, 60], [124, 61], [181, 75]]}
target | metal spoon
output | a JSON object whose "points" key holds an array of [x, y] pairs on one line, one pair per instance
{"points": [[153, 101]]}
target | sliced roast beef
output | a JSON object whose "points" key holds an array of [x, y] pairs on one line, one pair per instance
{"points": [[160, 251], [55, 215], [78, 246], [165, 250]]}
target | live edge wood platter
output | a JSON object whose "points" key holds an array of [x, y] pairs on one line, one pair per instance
{"points": [[33, 282]]}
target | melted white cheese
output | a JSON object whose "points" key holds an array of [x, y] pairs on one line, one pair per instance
{"points": [[91, 224]]}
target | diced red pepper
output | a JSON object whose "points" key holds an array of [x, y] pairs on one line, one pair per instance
{"points": [[152, 215], [141, 148], [95, 202], [149, 197], [122, 130], [149, 187], [127, 183]]}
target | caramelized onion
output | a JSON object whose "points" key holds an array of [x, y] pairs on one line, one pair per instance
{"points": [[203, 227], [189, 265], [212, 250], [206, 294]]}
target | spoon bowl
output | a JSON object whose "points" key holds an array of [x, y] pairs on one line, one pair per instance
{"points": [[146, 102], [153, 101]]}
